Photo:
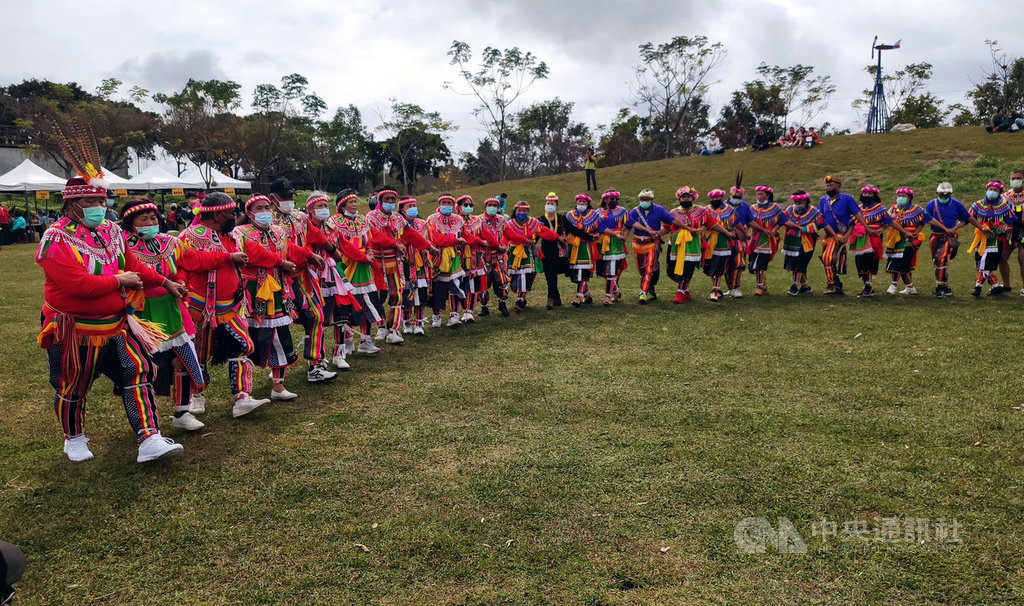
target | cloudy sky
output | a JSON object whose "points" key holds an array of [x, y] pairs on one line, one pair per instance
{"points": [[365, 52]]}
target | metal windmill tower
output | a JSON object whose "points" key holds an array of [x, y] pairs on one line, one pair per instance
{"points": [[878, 114]]}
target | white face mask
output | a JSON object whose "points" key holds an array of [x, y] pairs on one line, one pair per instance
{"points": [[581, 208], [322, 214], [286, 206], [550, 208]]}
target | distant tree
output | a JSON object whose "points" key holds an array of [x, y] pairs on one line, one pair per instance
{"points": [[907, 99], [336, 151], [626, 139], [546, 141], [670, 84], [199, 123], [415, 145], [1002, 85], [497, 82]]}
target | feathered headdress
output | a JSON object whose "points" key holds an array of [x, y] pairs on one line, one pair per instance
{"points": [[733, 191], [78, 143]]}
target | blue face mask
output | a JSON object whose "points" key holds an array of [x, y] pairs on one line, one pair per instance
{"points": [[944, 200], [522, 216], [645, 204], [412, 212], [110, 203], [388, 207], [992, 195], [93, 216], [902, 200], [322, 214], [262, 219], [491, 211], [467, 210], [148, 232], [445, 210]]}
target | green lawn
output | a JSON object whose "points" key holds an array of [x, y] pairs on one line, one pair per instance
{"points": [[578, 456]]}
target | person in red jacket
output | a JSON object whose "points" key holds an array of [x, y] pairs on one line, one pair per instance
{"points": [[87, 328], [5, 226], [474, 257], [269, 304], [215, 300]]}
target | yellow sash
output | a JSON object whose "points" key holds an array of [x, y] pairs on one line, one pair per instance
{"points": [[892, 237], [447, 258], [267, 290], [518, 255], [979, 243], [683, 237], [574, 242]]}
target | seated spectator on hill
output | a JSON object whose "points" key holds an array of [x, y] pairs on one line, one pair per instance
{"points": [[1005, 121], [788, 139], [761, 140], [814, 135], [712, 145]]}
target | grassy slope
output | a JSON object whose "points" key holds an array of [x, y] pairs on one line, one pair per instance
{"points": [[590, 438]]}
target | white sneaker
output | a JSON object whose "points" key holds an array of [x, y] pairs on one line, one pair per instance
{"points": [[419, 330], [436, 321], [453, 320], [1022, 292], [284, 395], [319, 373], [909, 290], [467, 316], [891, 290], [367, 347], [349, 346], [197, 405], [736, 294], [408, 329], [77, 448], [245, 405], [156, 446], [394, 338], [381, 333], [728, 293], [340, 363], [187, 422]]}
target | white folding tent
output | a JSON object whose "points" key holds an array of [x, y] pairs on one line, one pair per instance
{"points": [[27, 176], [156, 178], [218, 180], [115, 181]]}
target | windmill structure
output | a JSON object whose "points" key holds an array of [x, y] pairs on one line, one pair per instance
{"points": [[878, 113]]}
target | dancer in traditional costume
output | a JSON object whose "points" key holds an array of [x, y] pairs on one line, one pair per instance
{"points": [[93, 287], [648, 222], [839, 211], [866, 240], [611, 245], [386, 227], [738, 259], [554, 254], [179, 373], [766, 219], [1014, 196], [496, 259], [582, 223], [996, 218], [719, 247], [304, 283], [903, 240], [358, 269], [944, 245], [520, 236], [802, 222], [684, 248], [216, 301], [474, 255], [444, 229], [417, 272], [270, 304]]}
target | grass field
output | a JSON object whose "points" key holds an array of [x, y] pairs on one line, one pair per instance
{"points": [[578, 456]]}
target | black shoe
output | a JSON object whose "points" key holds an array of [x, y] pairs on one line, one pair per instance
{"points": [[977, 291], [794, 290], [652, 296], [503, 308], [995, 291], [947, 291], [938, 292], [484, 311], [805, 290], [558, 301], [576, 303], [588, 301]]}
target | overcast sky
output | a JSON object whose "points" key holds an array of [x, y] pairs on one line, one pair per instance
{"points": [[365, 52]]}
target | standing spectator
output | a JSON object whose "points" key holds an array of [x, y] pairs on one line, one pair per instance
{"points": [[761, 141], [112, 215], [18, 228], [5, 226], [590, 168], [502, 200], [712, 146]]}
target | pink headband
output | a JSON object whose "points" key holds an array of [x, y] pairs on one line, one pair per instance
{"points": [[996, 184], [765, 189], [254, 199], [385, 192], [686, 189], [462, 199], [715, 193], [343, 201], [584, 197], [870, 190], [496, 201], [610, 194], [797, 197], [444, 199], [405, 201], [905, 191]]}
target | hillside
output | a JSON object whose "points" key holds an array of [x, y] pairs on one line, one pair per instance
{"points": [[968, 157]]}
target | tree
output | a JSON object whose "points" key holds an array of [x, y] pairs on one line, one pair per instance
{"points": [[626, 139], [906, 97], [199, 123], [499, 81], [337, 151], [671, 83], [545, 140], [415, 144], [1002, 85]]}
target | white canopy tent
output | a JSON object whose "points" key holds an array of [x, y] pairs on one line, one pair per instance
{"points": [[218, 180], [156, 178], [27, 176], [115, 181]]}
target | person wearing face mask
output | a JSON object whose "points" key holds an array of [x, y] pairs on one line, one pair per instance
{"points": [[358, 269], [417, 272], [903, 240], [996, 218], [272, 258], [866, 243], [718, 246], [611, 245], [179, 374], [553, 254], [479, 240], [496, 258], [520, 236], [684, 248], [839, 211], [943, 245], [444, 229], [648, 223], [111, 203], [303, 284], [386, 227], [92, 286], [210, 263], [582, 224], [1015, 197], [738, 259], [802, 222], [766, 219], [334, 287]]}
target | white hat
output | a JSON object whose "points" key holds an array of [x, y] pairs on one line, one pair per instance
{"points": [[944, 188]]}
